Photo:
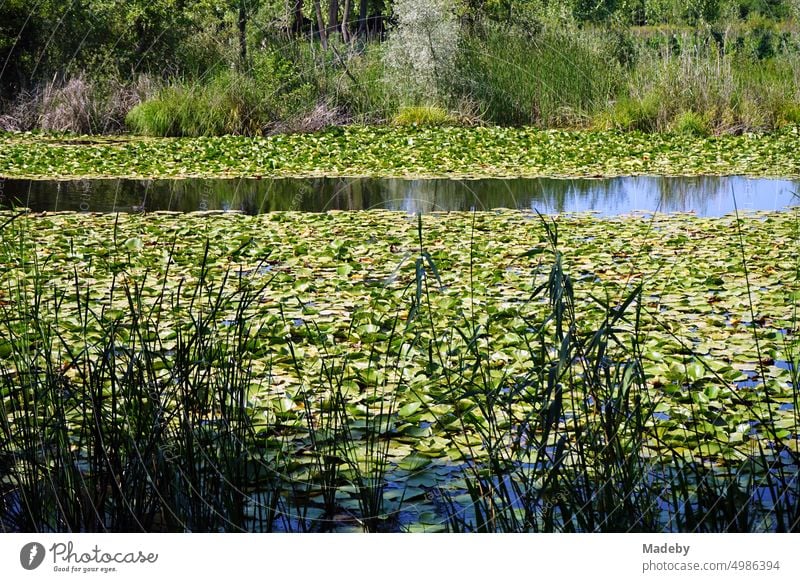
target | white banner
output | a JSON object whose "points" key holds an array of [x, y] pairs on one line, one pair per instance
{"points": [[398, 557]]}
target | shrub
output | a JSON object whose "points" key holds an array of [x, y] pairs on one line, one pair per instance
{"points": [[362, 87], [760, 39], [422, 47]]}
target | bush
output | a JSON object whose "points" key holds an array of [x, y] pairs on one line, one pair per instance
{"points": [[230, 103], [421, 47], [760, 38], [365, 91], [682, 11]]}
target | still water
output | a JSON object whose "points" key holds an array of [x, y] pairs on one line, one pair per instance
{"points": [[703, 195]]}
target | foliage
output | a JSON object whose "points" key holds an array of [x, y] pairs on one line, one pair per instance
{"points": [[691, 123], [227, 104], [228, 372], [550, 79], [733, 92], [405, 151], [421, 48], [368, 93], [423, 116], [633, 114], [45, 38]]}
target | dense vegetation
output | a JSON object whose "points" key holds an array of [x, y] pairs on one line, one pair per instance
{"points": [[493, 371], [196, 67], [408, 151], [373, 371]]}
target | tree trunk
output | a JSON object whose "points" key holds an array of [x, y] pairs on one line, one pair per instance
{"points": [[346, 21], [333, 14], [242, 35], [323, 35], [362, 18], [297, 20]]}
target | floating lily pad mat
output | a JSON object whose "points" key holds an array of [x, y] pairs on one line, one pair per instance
{"points": [[355, 292], [403, 151], [704, 195]]}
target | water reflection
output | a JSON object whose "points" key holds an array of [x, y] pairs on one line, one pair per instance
{"points": [[703, 195]]}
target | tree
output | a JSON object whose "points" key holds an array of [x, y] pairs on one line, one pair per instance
{"points": [[333, 14], [422, 47], [323, 35], [297, 17]]}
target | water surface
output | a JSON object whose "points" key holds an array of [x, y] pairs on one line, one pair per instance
{"points": [[703, 195]]}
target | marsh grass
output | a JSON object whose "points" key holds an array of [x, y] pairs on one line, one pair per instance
{"points": [[228, 103], [350, 417], [539, 473], [118, 432], [583, 453], [704, 87], [430, 115], [550, 79]]}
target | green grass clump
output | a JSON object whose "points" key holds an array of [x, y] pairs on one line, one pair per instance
{"points": [[160, 116], [273, 90], [633, 114], [691, 123], [228, 104], [791, 113], [423, 115]]}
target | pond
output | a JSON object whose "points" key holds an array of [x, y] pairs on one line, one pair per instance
{"points": [[381, 372], [703, 195]]}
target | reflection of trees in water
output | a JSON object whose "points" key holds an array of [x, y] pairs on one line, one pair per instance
{"points": [[562, 195], [690, 193], [702, 194], [443, 195]]}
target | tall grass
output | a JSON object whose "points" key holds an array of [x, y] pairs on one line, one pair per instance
{"points": [[227, 104], [350, 445], [77, 104], [707, 88], [561, 441], [116, 431], [572, 445], [549, 79]]}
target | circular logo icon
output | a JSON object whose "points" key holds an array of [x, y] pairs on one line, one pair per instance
{"points": [[31, 555]]}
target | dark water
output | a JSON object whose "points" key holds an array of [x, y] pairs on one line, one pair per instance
{"points": [[703, 195]]}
